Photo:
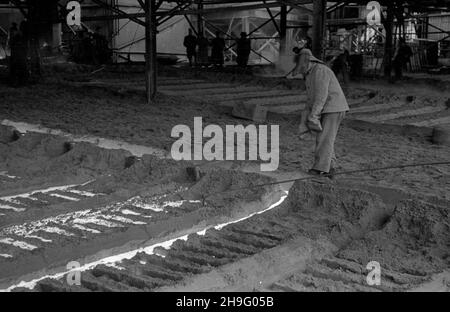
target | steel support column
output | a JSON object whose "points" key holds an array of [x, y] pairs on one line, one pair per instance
{"points": [[319, 19], [388, 46], [150, 50], [283, 27], [200, 24]]}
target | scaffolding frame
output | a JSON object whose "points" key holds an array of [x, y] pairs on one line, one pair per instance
{"points": [[153, 15]]}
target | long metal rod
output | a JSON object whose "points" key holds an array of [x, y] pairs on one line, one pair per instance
{"points": [[259, 27], [444, 39], [244, 7], [313, 177], [256, 29], [268, 21], [191, 25], [336, 6]]}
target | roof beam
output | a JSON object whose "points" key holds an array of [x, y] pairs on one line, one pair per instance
{"points": [[296, 5], [120, 12]]}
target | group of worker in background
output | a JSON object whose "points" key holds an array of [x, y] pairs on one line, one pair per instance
{"points": [[197, 50], [24, 60], [341, 64], [90, 48]]}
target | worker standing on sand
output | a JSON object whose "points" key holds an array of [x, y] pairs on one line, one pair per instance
{"points": [[243, 50], [101, 51], [203, 53], [325, 110], [19, 71], [401, 58], [12, 32], [218, 45], [341, 66], [190, 42]]}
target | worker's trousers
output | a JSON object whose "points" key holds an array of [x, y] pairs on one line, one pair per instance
{"points": [[325, 158]]}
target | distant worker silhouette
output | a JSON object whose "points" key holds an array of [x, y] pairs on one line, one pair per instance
{"points": [[340, 65], [190, 42], [12, 31], [243, 50], [101, 53], [401, 58], [218, 45], [18, 42], [203, 55]]}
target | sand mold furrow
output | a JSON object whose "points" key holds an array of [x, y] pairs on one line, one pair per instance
{"points": [[317, 211]]}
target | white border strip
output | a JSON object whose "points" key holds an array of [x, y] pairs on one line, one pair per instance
{"points": [[136, 150]]}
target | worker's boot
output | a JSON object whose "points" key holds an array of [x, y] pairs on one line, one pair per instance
{"points": [[318, 173]]}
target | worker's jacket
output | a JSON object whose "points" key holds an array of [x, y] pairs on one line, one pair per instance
{"points": [[324, 92]]}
